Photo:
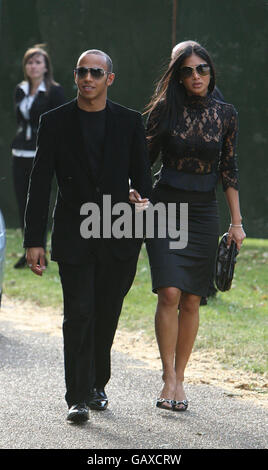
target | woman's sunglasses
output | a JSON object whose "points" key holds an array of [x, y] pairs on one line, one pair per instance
{"points": [[95, 72], [201, 69]]}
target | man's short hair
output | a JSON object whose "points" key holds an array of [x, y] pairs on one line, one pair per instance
{"points": [[98, 52]]}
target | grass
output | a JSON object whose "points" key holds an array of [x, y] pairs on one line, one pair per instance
{"points": [[234, 323]]}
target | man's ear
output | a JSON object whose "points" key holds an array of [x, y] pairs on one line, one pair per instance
{"points": [[110, 79]]}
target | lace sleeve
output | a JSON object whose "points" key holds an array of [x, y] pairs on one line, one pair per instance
{"points": [[228, 162]]}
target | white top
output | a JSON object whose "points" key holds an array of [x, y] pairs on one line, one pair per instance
{"points": [[25, 106]]}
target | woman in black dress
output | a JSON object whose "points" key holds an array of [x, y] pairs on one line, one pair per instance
{"points": [[216, 93], [195, 135], [35, 95]]}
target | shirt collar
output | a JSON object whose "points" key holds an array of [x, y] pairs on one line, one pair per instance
{"points": [[25, 87]]}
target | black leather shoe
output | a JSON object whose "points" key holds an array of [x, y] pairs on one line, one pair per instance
{"points": [[97, 399], [78, 413]]}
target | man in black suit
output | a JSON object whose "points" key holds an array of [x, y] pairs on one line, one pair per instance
{"points": [[96, 148]]}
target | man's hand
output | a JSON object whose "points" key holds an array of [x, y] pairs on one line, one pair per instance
{"points": [[135, 198], [36, 259]]}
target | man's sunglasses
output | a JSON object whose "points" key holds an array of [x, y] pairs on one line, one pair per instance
{"points": [[95, 72], [201, 69]]}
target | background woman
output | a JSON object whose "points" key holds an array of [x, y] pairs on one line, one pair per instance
{"points": [[195, 135], [35, 95]]}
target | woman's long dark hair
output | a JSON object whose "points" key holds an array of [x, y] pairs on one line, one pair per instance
{"points": [[167, 102]]}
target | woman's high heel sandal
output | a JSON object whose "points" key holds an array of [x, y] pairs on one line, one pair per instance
{"points": [[180, 405], [160, 403]]}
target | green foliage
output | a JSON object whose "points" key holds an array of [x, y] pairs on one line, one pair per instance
{"points": [[137, 36], [234, 323]]}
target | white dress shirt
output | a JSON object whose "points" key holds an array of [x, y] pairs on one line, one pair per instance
{"points": [[25, 106]]}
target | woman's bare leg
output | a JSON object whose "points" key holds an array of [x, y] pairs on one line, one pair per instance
{"points": [[166, 328], [188, 323]]}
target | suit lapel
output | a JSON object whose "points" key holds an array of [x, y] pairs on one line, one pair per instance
{"points": [[110, 139]]}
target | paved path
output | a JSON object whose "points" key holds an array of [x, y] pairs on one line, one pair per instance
{"points": [[33, 410]]}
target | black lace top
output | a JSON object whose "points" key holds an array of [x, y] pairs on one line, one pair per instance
{"points": [[200, 149]]}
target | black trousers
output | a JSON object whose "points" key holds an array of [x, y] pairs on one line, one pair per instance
{"points": [[93, 296], [21, 170]]}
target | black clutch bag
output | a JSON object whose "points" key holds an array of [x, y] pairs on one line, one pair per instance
{"points": [[225, 263]]}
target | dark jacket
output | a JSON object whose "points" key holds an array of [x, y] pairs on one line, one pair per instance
{"points": [[43, 102], [60, 150]]}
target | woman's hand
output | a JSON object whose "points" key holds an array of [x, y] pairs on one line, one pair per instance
{"points": [[237, 234], [135, 198]]}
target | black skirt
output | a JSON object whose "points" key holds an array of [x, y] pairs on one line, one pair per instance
{"points": [[191, 268]]}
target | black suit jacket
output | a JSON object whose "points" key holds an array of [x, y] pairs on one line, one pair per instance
{"points": [[60, 150], [43, 102]]}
